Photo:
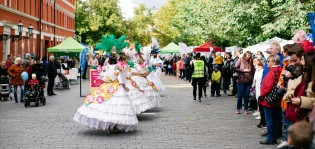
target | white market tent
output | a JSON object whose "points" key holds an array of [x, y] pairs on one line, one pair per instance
{"points": [[231, 49], [263, 46]]}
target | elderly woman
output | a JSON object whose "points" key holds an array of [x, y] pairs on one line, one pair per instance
{"points": [[272, 110], [15, 72]]}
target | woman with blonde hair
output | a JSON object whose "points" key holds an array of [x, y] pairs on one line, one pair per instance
{"points": [[272, 109], [15, 72]]}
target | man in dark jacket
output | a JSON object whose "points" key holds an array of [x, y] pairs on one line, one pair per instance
{"points": [[235, 74], [187, 66], [227, 72], [52, 73], [210, 66], [39, 70]]}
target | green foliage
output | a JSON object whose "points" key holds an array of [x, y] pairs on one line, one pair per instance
{"points": [[139, 27], [238, 22], [260, 20], [95, 18], [163, 27], [227, 22]]}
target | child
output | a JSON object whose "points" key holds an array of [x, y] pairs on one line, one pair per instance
{"points": [[33, 82], [300, 135], [215, 85]]}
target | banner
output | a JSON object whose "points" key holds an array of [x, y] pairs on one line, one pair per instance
{"points": [[95, 82], [83, 60]]}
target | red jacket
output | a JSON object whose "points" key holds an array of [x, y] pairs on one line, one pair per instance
{"points": [[174, 65], [267, 84], [9, 63]]}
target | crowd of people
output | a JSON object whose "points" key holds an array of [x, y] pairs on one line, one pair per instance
{"points": [[277, 87], [13, 68]]}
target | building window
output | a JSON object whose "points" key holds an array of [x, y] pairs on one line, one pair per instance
{"points": [[6, 2]]}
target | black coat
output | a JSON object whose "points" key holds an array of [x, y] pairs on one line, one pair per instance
{"points": [[51, 70], [3, 72], [39, 70]]}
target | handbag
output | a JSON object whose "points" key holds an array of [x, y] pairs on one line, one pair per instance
{"points": [[273, 96], [293, 112], [252, 93]]}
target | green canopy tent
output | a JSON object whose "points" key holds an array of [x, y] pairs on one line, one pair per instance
{"points": [[170, 48], [68, 47]]}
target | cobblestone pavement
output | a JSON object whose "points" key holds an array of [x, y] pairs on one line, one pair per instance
{"points": [[179, 123]]}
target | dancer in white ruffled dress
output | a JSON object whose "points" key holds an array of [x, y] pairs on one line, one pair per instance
{"points": [[109, 107], [137, 96], [154, 76], [150, 90]]}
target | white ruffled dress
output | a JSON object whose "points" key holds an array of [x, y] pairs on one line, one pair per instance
{"points": [[150, 90], [155, 75], [109, 106], [137, 96]]}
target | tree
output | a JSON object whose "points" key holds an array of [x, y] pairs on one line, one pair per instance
{"points": [[163, 27], [138, 28], [260, 20], [198, 21], [95, 18]]}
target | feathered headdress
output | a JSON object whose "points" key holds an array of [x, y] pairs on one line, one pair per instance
{"points": [[108, 42], [155, 46], [138, 47]]}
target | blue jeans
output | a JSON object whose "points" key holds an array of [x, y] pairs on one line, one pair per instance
{"points": [[243, 92], [187, 73], [15, 93], [273, 119]]}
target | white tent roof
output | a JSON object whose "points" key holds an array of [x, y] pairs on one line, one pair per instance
{"points": [[263, 46], [231, 49]]}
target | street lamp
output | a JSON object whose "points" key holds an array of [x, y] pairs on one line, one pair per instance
{"points": [[30, 30], [20, 28], [16, 38]]}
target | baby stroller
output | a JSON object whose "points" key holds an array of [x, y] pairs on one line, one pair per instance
{"points": [[35, 93], [62, 82], [5, 88]]}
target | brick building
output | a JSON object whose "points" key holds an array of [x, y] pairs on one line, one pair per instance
{"points": [[56, 18]]}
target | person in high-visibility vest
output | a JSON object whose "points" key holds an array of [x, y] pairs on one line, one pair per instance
{"points": [[197, 75]]}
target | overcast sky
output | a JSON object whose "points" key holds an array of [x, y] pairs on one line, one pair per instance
{"points": [[127, 6]]}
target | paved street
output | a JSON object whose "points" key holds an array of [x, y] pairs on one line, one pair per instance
{"points": [[179, 123]]}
